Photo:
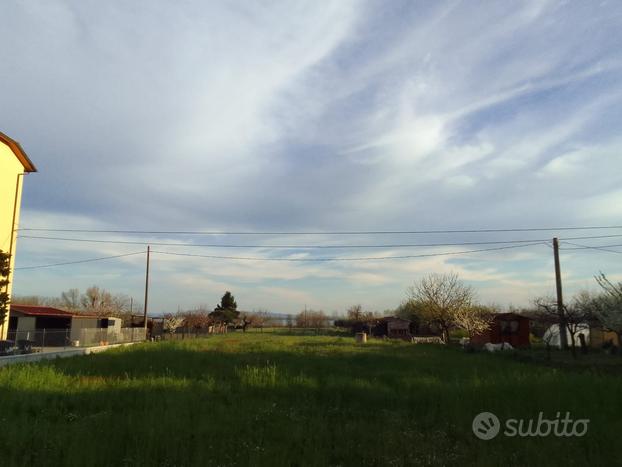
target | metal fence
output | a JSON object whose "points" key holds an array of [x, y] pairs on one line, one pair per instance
{"points": [[183, 333], [34, 340]]}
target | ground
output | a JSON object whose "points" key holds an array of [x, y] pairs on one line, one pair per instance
{"points": [[265, 399]]}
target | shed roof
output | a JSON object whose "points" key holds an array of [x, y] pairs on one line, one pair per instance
{"points": [[32, 310], [510, 316], [394, 318], [19, 152], [35, 310]]}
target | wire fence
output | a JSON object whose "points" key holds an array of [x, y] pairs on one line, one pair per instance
{"points": [[26, 341]]}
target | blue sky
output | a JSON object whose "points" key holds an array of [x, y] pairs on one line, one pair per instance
{"points": [[314, 116]]}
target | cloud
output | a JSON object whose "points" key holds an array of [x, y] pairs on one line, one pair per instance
{"points": [[307, 116]]}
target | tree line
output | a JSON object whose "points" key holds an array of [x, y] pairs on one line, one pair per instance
{"points": [[442, 303]]}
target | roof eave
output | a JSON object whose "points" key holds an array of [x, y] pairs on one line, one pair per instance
{"points": [[19, 152]]}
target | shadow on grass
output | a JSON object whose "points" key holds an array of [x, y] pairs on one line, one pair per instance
{"points": [[199, 403]]}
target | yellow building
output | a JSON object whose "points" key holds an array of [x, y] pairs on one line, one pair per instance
{"points": [[13, 164]]}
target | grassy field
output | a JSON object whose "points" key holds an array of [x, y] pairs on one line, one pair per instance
{"points": [[265, 399]]}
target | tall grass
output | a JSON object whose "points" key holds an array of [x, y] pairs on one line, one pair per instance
{"points": [[286, 400]]}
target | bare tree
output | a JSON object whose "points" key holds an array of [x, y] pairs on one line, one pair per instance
{"points": [[577, 313], [311, 319], [355, 313], [254, 319], [197, 319], [71, 299], [442, 297], [609, 305]]}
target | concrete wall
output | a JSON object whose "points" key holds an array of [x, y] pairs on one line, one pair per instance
{"points": [[54, 354], [79, 324], [10, 168]]}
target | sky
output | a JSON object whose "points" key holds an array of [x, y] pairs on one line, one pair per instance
{"points": [[314, 117]]}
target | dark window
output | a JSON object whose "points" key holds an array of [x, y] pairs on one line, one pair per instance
{"points": [[509, 327]]}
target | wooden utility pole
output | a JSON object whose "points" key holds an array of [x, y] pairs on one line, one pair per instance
{"points": [[146, 291], [560, 301]]}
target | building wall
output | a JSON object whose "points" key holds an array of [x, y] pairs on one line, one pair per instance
{"points": [[495, 335], [26, 323], [10, 168], [78, 324], [599, 336]]}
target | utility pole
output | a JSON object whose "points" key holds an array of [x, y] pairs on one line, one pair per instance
{"points": [[563, 340], [146, 291]]}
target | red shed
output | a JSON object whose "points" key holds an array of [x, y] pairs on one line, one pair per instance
{"points": [[506, 327]]}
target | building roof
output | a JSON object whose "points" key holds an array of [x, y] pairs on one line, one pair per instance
{"points": [[19, 152], [32, 310], [394, 318], [510, 316]]}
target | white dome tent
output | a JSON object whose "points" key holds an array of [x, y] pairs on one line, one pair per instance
{"points": [[551, 336]]}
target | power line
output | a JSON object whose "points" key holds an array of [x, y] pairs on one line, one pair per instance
{"points": [[81, 261], [307, 247], [600, 248], [289, 247], [245, 258], [368, 258], [347, 232]]}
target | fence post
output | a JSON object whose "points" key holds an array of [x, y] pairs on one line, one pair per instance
{"points": [[66, 337], [43, 339]]}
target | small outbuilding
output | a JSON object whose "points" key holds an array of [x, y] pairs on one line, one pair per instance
{"points": [[393, 328], [47, 326], [506, 327]]}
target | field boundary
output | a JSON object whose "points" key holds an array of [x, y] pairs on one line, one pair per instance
{"points": [[61, 353]]}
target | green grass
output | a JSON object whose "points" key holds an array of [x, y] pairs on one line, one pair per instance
{"points": [[265, 399]]}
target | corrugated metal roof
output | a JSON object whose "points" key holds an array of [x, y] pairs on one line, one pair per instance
{"points": [[32, 310]]}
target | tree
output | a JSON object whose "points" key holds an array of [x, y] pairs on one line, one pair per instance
{"points": [[197, 319], [474, 319], [71, 299], [311, 319], [577, 313], [411, 310], [172, 322], [227, 302], [226, 310], [355, 313], [5, 270], [608, 308], [256, 319], [441, 297]]}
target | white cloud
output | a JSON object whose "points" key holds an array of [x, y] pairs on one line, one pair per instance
{"points": [[297, 116]]}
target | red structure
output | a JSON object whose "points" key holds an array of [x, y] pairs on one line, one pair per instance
{"points": [[506, 327]]}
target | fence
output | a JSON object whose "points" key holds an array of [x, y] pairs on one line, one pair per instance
{"points": [[36, 339], [91, 337], [301, 331]]}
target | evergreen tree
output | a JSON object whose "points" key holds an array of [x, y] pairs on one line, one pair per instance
{"points": [[5, 259], [226, 311]]}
